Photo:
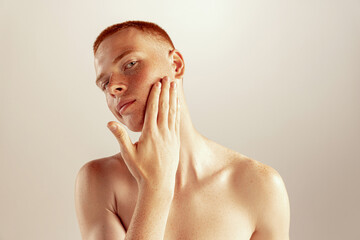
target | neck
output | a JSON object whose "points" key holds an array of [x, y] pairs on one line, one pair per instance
{"points": [[194, 148]]}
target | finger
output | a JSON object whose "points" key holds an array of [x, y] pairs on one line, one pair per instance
{"points": [[126, 146], [164, 103], [172, 106], [177, 123], [151, 111]]}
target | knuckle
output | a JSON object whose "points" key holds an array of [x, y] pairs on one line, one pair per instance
{"points": [[172, 111], [164, 105], [152, 133], [152, 106], [121, 134]]}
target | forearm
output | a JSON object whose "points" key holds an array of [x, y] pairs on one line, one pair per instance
{"points": [[150, 215]]}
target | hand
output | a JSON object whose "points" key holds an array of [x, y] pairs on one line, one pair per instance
{"points": [[154, 159]]}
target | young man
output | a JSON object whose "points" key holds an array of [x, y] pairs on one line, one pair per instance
{"points": [[173, 183]]}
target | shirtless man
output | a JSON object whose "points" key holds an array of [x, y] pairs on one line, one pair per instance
{"points": [[173, 183]]}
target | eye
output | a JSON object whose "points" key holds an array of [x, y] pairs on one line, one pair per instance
{"points": [[130, 64], [104, 85]]}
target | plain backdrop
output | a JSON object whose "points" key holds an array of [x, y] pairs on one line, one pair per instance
{"points": [[278, 81]]}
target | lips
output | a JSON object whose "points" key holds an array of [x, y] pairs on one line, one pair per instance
{"points": [[122, 104]]}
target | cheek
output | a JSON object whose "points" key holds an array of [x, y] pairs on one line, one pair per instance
{"points": [[144, 77], [110, 101]]}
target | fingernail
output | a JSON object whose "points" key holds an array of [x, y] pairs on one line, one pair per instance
{"points": [[112, 127]]}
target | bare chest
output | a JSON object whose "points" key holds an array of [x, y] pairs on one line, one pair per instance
{"points": [[208, 213]]}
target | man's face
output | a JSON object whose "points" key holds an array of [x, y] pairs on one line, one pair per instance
{"points": [[145, 62]]}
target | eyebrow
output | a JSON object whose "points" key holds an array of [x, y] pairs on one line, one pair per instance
{"points": [[118, 58]]}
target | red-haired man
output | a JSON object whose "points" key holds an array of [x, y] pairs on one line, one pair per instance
{"points": [[173, 183]]}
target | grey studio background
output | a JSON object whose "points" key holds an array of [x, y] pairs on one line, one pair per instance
{"points": [[278, 81]]}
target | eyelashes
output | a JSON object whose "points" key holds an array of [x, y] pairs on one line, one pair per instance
{"points": [[130, 65], [103, 86]]}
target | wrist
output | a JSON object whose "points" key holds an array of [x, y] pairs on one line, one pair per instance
{"points": [[166, 191]]}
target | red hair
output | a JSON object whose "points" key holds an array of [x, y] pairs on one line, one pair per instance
{"points": [[147, 27]]}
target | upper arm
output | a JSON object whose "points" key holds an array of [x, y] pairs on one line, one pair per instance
{"points": [[273, 217], [95, 204]]}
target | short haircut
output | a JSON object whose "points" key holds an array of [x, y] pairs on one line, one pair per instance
{"points": [[147, 27]]}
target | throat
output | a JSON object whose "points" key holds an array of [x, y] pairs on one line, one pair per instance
{"points": [[195, 164]]}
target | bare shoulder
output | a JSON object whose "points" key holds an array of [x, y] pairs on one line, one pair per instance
{"points": [[254, 171], [258, 179], [103, 164], [106, 172], [94, 179], [95, 201], [107, 167], [264, 191]]}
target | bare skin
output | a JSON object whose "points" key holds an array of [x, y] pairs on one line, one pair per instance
{"points": [[207, 191]]}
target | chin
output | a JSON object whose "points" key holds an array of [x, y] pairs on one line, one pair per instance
{"points": [[134, 122], [134, 127]]}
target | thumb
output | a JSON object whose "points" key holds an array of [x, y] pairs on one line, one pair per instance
{"points": [[122, 137]]}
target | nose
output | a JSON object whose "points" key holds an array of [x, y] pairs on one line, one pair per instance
{"points": [[116, 85]]}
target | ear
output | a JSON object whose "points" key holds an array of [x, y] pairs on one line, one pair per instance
{"points": [[178, 64]]}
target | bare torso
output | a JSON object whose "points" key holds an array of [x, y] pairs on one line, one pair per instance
{"points": [[220, 206]]}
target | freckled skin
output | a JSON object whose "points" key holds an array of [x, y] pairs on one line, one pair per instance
{"points": [[136, 82], [219, 193]]}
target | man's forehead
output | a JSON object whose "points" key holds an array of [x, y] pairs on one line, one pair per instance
{"points": [[120, 41]]}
